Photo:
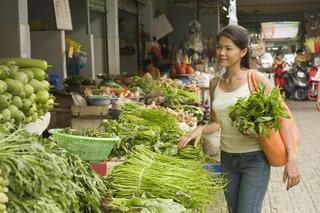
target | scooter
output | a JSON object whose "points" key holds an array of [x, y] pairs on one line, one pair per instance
{"points": [[295, 82], [312, 83]]}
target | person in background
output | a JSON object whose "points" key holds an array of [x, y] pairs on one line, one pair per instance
{"points": [[278, 66], [317, 78], [254, 63], [318, 97], [148, 67], [300, 58], [243, 163]]}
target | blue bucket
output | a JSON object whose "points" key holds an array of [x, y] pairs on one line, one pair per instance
{"points": [[214, 168]]}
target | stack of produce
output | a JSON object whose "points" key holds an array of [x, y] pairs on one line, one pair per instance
{"points": [[154, 128], [154, 98], [151, 205], [173, 96], [4, 183], [195, 111], [192, 88], [24, 92], [148, 173], [181, 115], [45, 178], [87, 132], [166, 82]]}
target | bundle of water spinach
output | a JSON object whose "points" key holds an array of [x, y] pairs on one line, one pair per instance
{"points": [[145, 205], [148, 173]]}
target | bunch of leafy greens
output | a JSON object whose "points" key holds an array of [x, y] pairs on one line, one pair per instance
{"points": [[151, 174], [257, 114], [173, 96], [45, 178], [146, 205], [156, 129]]}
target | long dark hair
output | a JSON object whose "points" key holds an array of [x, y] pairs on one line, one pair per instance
{"points": [[240, 36]]}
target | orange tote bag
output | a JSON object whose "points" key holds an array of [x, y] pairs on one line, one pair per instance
{"points": [[275, 147]]}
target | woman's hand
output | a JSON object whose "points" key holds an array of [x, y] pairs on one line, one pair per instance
{"points": [[194, 135], [291, 174]]}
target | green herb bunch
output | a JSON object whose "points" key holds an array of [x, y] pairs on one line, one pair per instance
{"points": [[257, 114]]}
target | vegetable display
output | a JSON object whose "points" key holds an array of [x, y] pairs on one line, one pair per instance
{"points": [[156, 129], [4, 183], [146, 205], [45, 178], [88, 132], [172, 96], [149, 173], [176, 97], [24, 92], [256, 114]]}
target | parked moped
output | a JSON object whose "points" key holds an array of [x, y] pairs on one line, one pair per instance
{"points": [[295, 82]]}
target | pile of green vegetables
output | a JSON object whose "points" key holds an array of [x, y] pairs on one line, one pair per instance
{"points": [[197, 112], [4, 183], [145, 205], [173, 96], [257, 114], [45, 178], [151, 174], [87, 132], [156, 129], [24, 92], [147, 85]]}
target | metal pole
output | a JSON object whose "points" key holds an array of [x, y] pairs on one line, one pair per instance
{"points": [[88, 27], [138, 37], [218, 17], [106, 61]]}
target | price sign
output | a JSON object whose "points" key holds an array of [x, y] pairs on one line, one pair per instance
{"points": [[63, 15]]}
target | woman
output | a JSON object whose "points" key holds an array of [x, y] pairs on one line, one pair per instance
{"points": [[242, 161], [278, 66]]}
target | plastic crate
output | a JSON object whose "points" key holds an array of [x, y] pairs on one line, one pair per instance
{"points": [[87, 148]]}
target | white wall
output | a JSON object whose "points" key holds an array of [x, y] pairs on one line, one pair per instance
{"points": [[14, 28], [50, 46]]}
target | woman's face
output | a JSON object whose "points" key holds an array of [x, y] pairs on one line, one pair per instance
{"points": [[228, 53], [279, 56]]}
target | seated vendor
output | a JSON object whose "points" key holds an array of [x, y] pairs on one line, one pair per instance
{"points": [[148, 67]]}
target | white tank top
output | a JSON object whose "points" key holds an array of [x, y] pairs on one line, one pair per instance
{"points": [[232, 140]]}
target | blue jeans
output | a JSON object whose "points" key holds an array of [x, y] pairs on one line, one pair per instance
{"points": [[248, 176]]}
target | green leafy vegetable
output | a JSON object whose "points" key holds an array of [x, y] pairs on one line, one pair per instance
{"points": [[45, 178], [257, 114], [149, 173]]}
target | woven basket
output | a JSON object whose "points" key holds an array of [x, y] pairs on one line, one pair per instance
{"points": [[87, 148]]}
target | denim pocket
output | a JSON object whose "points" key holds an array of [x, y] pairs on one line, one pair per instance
{"points": [[254, 157], [251, 157]]}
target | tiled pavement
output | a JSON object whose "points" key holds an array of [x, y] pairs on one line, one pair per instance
{"points": [[304, 198]]}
